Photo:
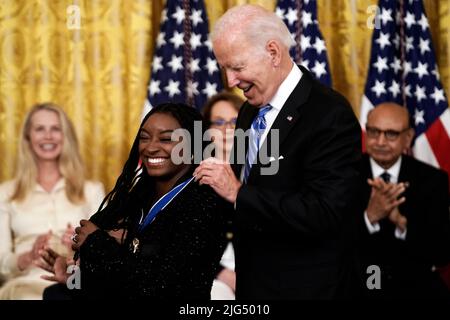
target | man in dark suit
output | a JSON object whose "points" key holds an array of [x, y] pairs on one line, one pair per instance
{"points": [[294, 200], [404, 232]]}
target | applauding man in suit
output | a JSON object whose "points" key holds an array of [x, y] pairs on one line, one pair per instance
{"points": [[405, 229], [294, 182]]}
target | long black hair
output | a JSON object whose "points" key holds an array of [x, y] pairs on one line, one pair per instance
{"points": [[134, 181]]}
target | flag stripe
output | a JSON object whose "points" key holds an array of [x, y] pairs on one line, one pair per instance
{"points": [[366, 106], [440, 144], [445, 119], [422, 151]]}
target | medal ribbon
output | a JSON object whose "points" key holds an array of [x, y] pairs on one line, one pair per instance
{"points": [[162, 203]]}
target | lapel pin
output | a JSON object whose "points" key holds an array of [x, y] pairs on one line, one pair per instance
{"points": [[289, 118]]}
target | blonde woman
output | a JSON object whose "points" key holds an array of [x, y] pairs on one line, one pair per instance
{"points": [[48, 196]]}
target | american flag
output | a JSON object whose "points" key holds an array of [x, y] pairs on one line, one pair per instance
{"points": [[300, 16], [410, 79], [184, 68]]}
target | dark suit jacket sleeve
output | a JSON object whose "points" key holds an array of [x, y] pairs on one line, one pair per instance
{"points": [[436, 232], [327, 158]]}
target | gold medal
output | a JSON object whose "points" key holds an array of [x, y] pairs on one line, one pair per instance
{"points": [[135, 244]]}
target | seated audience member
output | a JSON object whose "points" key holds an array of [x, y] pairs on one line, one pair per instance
{"points": [[48, 195], [220, 113], [159, 234], [404, 232]]}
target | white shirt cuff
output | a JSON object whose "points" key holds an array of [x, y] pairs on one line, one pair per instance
{"points": [[399, 234], [372, 228]]}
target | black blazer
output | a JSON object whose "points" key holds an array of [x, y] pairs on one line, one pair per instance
{"points": [[177, 257], [406, 264], [292, 235]]}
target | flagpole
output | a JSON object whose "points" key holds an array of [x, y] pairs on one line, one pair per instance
{"points": [[298, 34], [187, 30], [402, 50]]}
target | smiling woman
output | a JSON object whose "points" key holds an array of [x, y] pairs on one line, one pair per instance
{"points": [[45, 135], [48, 195], [156, 145], [160, 234]]}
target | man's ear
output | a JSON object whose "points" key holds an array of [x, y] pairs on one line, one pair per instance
{"points": [[274, 50]]}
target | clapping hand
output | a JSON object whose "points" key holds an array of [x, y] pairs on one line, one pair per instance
{"points": [[66, 239], [52, 262], [39, 244], [384, 198], [398, 219]]}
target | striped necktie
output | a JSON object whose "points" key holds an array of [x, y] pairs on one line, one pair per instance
{"points": [[257, 129]]}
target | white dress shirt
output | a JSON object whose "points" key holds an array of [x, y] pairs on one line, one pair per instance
{"points": [[277, 102], [280, 98]]}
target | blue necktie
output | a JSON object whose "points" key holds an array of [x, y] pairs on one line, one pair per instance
{"points": [[257, 129]]}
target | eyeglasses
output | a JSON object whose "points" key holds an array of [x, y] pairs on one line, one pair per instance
{"points": [[221, 122], [390, 135]]}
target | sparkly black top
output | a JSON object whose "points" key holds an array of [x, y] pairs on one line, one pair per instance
{"points": [[177, 257]]}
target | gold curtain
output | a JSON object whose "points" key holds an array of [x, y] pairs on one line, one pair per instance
{"points": [[99, 72]]}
